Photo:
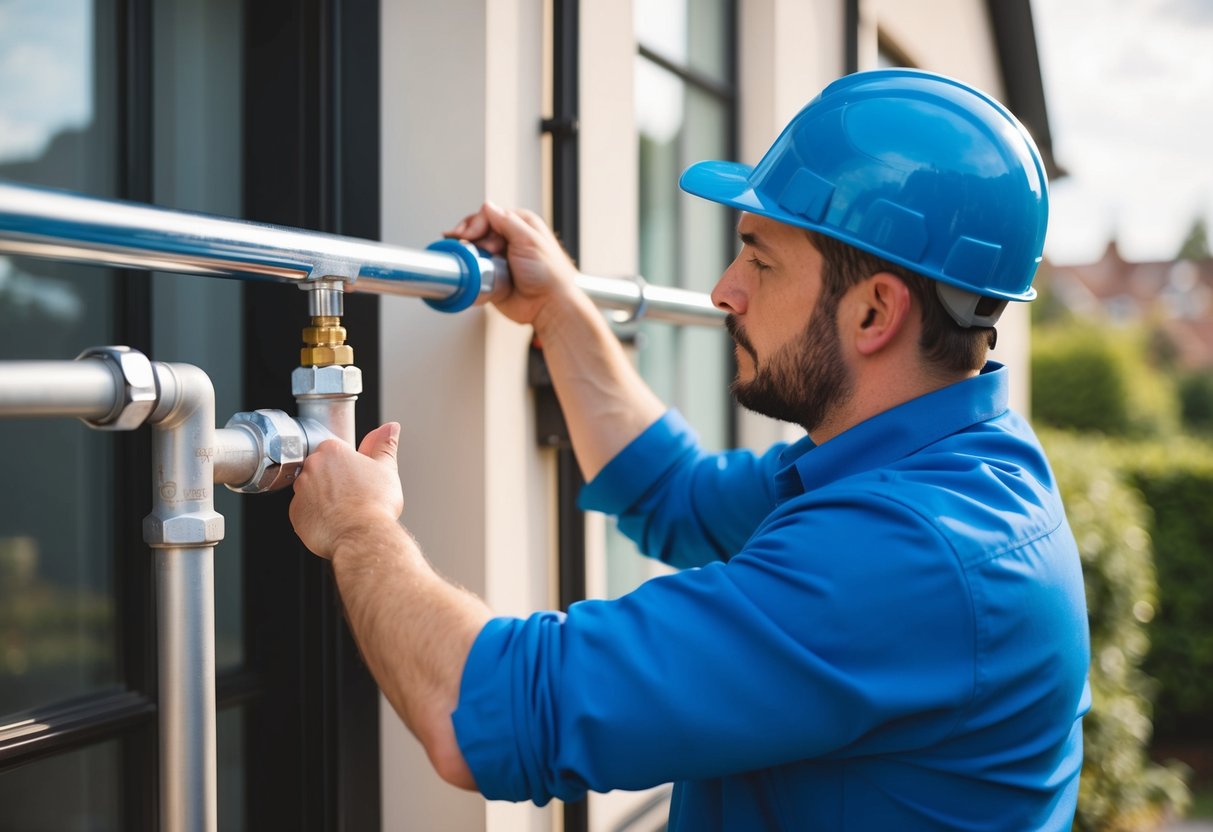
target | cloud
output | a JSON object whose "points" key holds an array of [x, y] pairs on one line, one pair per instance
{"points": [[1128, 88], [46, 73]]}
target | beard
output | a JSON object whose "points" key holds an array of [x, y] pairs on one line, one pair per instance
{"points": [[803, 380]]}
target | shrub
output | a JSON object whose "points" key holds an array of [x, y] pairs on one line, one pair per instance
{"points": [[1120, 789], [1086, 378], [1196, 402], [1176, 480]]}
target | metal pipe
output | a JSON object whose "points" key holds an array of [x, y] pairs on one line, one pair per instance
{"points": [[236, 456], [84, 389], [183, 528], [185, 597], [58, 225], [117, 388]]}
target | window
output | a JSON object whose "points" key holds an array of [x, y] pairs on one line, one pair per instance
{"points": [[184, 103], [685, 110]]}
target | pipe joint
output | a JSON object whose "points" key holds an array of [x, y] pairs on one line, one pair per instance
{"points": [[470, 276], [198, 528], [139, 392], [326, 382], [282, 445]]}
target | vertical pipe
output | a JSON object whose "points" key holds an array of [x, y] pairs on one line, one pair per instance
{"points": [[185, 594], [326, 395], [183, 529], [336, 414]]}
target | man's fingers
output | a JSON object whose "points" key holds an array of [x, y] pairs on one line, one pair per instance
{"points": [[382, 442]]}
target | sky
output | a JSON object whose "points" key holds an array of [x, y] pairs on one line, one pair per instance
{"points": [[1129, 90], [46, 64]]}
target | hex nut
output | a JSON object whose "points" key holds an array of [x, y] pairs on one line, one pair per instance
{"points": [[334, 380], [139, 393], [194, 529], [324, 356], [283, 446]]}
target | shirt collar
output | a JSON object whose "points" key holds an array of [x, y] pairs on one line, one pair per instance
{"points": [[893, 434]]}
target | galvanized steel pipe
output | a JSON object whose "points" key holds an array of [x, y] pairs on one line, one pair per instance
{"points": [[58, 225], [84, 389]]}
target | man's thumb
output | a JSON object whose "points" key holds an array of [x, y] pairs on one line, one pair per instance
{"points": [[381, 443]]}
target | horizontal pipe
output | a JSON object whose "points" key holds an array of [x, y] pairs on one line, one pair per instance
{"points": [[85, 389], [236, 456], [59, 225]]}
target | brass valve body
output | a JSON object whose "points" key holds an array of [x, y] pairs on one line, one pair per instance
{"points": [[324, 344]]}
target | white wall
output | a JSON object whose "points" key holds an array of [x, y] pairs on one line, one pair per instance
{"points": [[461, 84]]}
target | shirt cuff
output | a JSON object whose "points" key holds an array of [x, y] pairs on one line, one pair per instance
{"points": [[483, 719], [631, 472]]}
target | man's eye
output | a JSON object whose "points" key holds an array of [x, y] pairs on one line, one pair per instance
{"points": [[758, 264]]}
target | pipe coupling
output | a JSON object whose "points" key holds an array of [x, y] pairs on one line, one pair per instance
{"points": [[139, 395], [196, 528], [282, 444], [326, 382]]}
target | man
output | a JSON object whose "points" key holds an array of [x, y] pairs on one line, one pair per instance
{"points": [[887, 628]]}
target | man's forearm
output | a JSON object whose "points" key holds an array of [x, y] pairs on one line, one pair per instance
{"points": [[605, 401], [415, 631]]}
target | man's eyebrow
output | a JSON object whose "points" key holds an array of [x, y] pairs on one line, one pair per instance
{"points": [[751, 240]]}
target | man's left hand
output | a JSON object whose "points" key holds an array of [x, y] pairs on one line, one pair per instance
{"points": [[342, 493]]}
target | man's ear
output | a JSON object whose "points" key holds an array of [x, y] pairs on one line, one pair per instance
{"points": [[883, 307]]}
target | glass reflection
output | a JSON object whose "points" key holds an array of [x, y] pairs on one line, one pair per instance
{"points": [[73, 792], [57, 127]]}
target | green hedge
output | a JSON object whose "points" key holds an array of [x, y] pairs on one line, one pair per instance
{"points": [[1121, 789], [1094, 379], [1176, 480]]}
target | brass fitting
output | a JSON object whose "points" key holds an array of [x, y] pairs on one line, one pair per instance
{"points": [[324, 344]]}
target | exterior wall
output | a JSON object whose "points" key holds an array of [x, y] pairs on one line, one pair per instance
{"points": [[462, 97], [461, 87]]}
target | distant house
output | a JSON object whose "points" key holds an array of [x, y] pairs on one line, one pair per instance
{"points": [[1175, 297]]}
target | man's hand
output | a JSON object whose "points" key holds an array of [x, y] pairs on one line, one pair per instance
{"points": [[540, 270], [342, 493]]}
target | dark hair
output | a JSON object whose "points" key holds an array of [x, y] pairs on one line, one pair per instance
{"points": [[946, 345]]}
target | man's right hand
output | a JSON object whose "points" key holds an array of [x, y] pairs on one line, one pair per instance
{"points": [[541, 273]]}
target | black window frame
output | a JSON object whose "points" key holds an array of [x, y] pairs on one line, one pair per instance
{"points": [[311, 160]]}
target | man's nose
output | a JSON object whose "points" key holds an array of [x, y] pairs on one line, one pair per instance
{"points": [[729, 292]]}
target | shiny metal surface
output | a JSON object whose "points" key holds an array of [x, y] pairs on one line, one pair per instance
{"points": [[58, 225], [236, 456], [138, 387], [281, 447], [185, 612], [183, 528], [84, 389], [326, 395]]}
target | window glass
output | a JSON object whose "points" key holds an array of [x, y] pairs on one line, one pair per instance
{"points": [[684, 241], [57, 127], [73, 792], [229, 752], [691, 33], [198, 320]]}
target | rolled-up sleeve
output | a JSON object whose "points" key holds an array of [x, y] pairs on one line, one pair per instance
{"points": [[679, 504], [792, 650]]}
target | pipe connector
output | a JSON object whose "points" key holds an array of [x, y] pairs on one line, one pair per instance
{"points": [[196, 528], [282, 444], [324, 343], [134, 373], [326, 382]]}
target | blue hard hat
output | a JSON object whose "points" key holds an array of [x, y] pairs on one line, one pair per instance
{"points": [[911, 166]]}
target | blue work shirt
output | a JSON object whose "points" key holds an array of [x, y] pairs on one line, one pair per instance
{"points": [[884, 632]]}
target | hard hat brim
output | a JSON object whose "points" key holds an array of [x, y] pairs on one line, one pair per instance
{"points": [[724, 182], [728, 183]]}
